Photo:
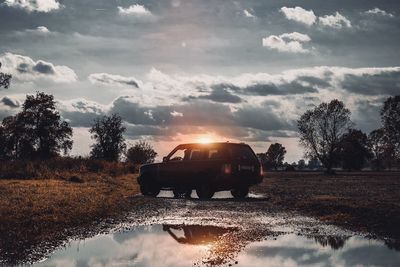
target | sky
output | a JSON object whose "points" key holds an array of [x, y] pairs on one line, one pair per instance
{"points": [[182, 71]]}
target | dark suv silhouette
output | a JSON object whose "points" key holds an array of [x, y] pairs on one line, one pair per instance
{"points": [[207, 168]]}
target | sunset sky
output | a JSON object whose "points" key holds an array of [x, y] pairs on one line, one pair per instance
{"points": [[184, 71]]}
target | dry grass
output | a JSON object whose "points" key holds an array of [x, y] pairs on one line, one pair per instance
{"points": [[63, 168], [37, 211]]}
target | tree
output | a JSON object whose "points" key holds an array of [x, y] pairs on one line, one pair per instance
{"points": [[108, 133], [382, 150], [390, 116], [301, 164], [354, 150], [141, 153], [321, 130], [43, 122], [275, 155], [5, 79], [37, 132]]}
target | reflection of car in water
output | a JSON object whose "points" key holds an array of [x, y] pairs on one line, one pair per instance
{"points": [[207, 168], [195, 234]]}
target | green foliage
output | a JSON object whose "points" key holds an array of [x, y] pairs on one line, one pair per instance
{"points": [[321, 130], [36, 132], [141, 153], [109, 140]]}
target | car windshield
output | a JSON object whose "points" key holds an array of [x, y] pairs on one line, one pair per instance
{"points": [[197, 153]]}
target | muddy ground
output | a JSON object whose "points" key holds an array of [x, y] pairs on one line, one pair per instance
{"points": [[38, 216]]}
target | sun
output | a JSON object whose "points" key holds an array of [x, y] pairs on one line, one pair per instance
{"points": [[205, 139]]}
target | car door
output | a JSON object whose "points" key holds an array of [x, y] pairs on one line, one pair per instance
{"points": [[174, 167]]}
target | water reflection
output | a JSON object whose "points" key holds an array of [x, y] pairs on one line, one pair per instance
{"points": [[184, 245], [195, 234]]}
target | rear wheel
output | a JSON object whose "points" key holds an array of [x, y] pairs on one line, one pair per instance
{"points": [[149, 189], [204, 191], [240, 192]]}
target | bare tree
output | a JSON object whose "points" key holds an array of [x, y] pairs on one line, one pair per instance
{"points": [[5, 79], [321, 130], [382, 149], [390, 116]]}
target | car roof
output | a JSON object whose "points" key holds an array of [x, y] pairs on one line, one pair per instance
{"points": [[212, 144]]}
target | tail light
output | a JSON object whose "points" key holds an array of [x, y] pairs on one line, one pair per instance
{"points": [[226, 168]]}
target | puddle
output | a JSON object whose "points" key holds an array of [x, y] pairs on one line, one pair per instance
{"points": [[209, 245], [217, 195]]}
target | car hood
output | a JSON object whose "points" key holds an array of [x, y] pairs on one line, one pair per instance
{"points": [[149, 167]]}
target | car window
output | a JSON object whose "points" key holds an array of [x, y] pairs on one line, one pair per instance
{"points": [[196, 154], [242, 153], [215, 154], [180, 154]]}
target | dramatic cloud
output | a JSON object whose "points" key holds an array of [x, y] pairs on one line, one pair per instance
{"points": [[81, 112], [336, 21], [287, 42], [299, 14], [26, 69], [373, 82], [34, 5], [111, 79], [377, 11]]}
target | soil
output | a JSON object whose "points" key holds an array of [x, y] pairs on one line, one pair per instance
{"points": [[37, 216]]}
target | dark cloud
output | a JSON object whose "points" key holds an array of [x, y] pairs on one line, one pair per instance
{"points": [[43, 67], [221, 95], [278, 89], [387, 83], [12, 103]]}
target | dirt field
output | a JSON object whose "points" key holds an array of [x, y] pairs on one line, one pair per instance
{"points": [[45, 213], [364, 201]]}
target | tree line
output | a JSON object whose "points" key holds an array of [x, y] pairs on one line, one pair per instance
{"points": [[329, 138], [326, 132]]}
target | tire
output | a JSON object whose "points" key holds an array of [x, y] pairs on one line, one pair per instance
{"points": [[149, 189], [204, 191], [240, 192]]}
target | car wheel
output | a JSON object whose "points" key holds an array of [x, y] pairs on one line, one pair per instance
{"points": [[240, 192], [204, 192], [149, 189]]}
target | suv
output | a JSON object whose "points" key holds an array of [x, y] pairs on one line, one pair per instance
{"points": [[207, 168]]}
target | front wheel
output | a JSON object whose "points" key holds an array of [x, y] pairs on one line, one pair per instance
{"points": [[204, 192], [240, 192], [149, 189]]}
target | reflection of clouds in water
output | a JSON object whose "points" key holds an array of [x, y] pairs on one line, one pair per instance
{"points": [[142, 249], [293, 250], [153, 246]]}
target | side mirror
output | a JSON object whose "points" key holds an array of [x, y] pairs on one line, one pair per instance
{"points": [[164, 159]]}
